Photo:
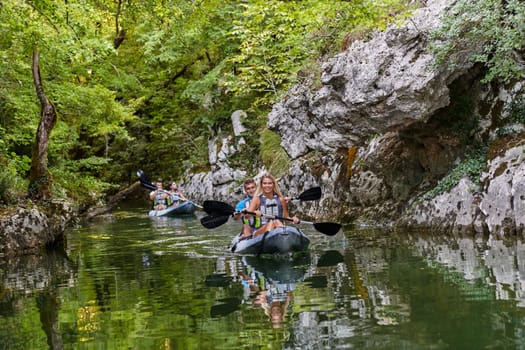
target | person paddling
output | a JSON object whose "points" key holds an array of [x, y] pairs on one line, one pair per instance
{"points": [[175, 195], [159, 196], [269, 201], [249, 224]]}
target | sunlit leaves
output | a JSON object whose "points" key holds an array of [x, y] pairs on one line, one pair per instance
{"points": [[74, 39], [277, 38], [181, 69]]}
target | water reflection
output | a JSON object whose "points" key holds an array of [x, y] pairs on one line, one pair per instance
{"points": [[492, 262], [179, 223], [171, 284], [39, 277]]}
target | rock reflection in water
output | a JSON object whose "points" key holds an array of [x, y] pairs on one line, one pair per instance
{"points": [[49, 272]]}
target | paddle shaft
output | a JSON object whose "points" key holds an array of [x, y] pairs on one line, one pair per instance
{"points": [[273, 217], [152, 187], [219, 212], [327, 228]]}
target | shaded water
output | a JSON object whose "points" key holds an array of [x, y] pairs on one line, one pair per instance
{"points": [[143, 283]]}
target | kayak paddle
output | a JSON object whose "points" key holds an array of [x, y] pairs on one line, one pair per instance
{"points": [[217, 208], [220, 212], [311, 194]]}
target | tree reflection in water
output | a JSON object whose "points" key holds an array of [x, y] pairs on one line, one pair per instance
{"points": [[49, 271]]}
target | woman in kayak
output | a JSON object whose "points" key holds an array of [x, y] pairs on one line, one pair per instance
{"points": [[269, 203], [176, 195]]}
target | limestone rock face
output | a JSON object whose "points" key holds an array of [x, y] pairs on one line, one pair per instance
{"points": [[385, 127], [503, 201], [28, 230], [376, 86], [497, 207], [456, 211], [223, 181]]}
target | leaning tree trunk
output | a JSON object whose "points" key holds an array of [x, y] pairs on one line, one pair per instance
{"points": [[39, 177]]}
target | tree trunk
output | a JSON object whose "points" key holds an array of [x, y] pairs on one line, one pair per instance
{"points": [[39, 177]]}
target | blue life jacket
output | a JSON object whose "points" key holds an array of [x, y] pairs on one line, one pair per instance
{"points": [[253, 221], [158, 200]]}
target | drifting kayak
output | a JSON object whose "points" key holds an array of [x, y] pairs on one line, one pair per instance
{"points": [[183, 208], [282, 240]]}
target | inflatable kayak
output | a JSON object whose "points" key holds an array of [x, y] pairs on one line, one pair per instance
{"points": [[187, 207], [282, 240]]}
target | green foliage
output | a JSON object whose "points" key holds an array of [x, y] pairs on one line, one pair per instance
{"points": [[182, 68], [273, 155], [6, 182], [460, 119], [77, 180], [513, 113], [515, 110], [277, 38], [490, 32], [12, 172], [471, 166]]}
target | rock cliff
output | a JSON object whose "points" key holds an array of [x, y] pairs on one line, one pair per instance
{"points": [[386, 128]]}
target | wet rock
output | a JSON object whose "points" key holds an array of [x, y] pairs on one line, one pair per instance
{"points": [[27, 230]]}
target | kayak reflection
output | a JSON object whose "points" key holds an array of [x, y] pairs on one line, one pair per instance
{"points": [[269, 282]]}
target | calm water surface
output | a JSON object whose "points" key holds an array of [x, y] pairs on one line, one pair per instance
{"points": [[143, 283]]}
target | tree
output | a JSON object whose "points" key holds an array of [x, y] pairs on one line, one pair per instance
{"points": [[39, 177]]}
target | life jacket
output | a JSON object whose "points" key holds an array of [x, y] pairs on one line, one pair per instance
{"points": [[278, 292], [173, 198], [158, 200], [253, 221], [270, 206]]}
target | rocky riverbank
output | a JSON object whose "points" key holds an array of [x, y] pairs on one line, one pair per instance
{"points": [[29, 228]]}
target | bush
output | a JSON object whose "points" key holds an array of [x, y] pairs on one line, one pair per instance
{"points": [[472, 166]]}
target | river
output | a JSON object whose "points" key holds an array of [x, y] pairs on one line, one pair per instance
{"points": [[142, 283]]}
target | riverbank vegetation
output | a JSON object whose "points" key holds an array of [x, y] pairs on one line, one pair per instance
{"points": [[148, 82]]}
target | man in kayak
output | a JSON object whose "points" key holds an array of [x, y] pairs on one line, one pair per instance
{"points": [[267, 202], [159, 196], [249, 224]]}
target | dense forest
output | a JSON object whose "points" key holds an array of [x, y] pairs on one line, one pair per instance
{"points": [[146, 83]]}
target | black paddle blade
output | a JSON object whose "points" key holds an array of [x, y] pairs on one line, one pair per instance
{"points": [[330, 258], [217, 208], [328, 228], [311, 194], [214, 221], [228, 306], [142, 176]]}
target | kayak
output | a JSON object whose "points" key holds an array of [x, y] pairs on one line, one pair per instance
{"points": [[187, 207], [282, 240]]}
